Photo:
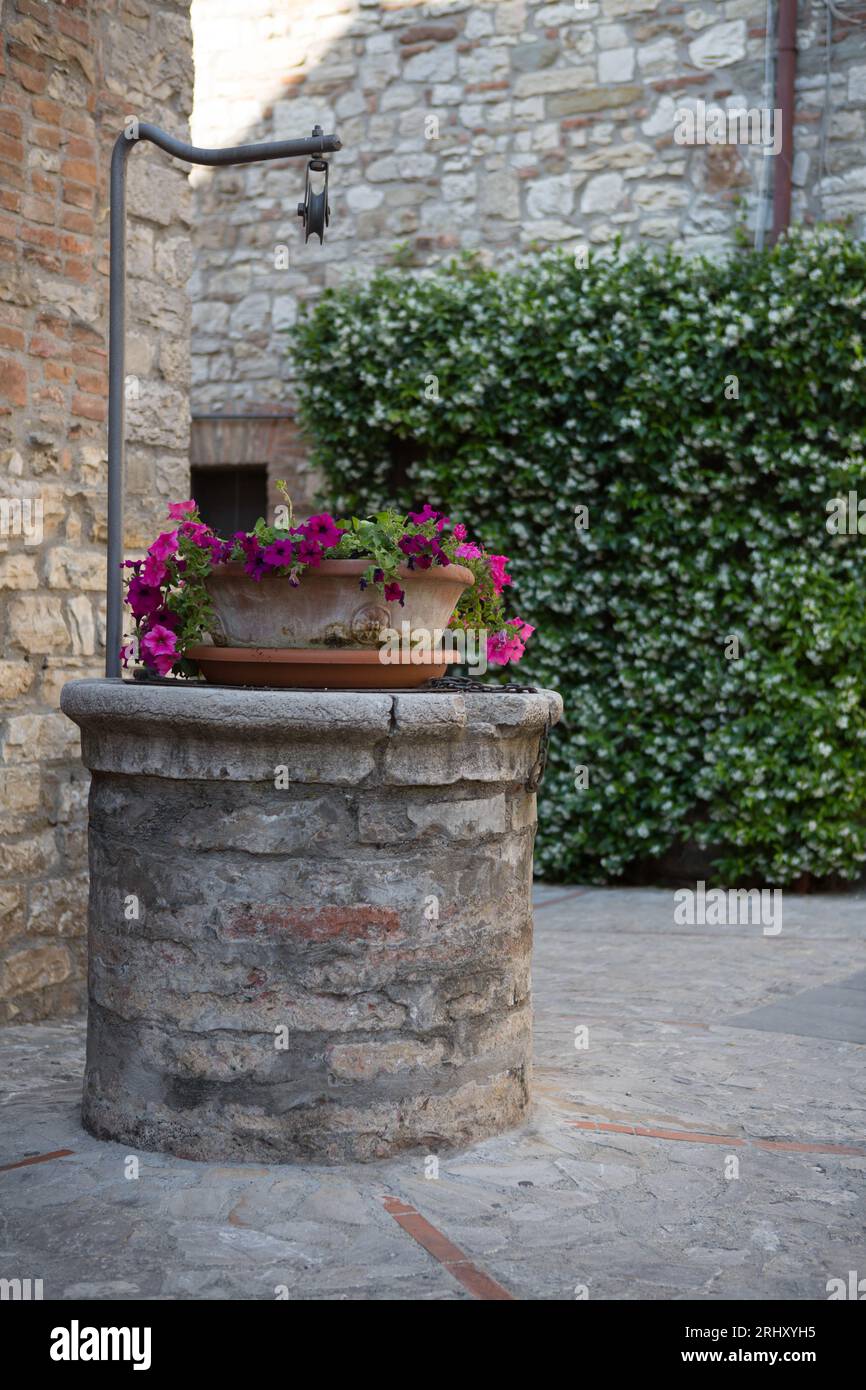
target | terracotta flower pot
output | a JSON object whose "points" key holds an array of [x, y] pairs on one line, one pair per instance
{"points": [[326, 632], [328, 608]]}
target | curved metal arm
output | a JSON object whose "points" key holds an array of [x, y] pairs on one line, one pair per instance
{"points": [[317, 143]]}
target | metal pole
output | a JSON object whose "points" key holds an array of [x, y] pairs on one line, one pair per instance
{"points": [[786, 72], [116, 404], [316, 144]]}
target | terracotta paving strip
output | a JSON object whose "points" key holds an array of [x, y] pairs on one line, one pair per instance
{"points": [[449, 1255], [679, 1135], [790, 1147], [37, 1158], [563, 897], [688, 1136]]}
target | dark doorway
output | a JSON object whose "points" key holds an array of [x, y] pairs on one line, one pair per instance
{"points": [[230, 499]]}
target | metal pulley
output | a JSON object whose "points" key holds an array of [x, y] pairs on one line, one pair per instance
{"points": [[314, 212]]}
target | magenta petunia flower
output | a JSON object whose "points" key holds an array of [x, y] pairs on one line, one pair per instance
{"points": [[426, 514], [248, 544], [164, 545], [460, 532], [196, 531], [153, 571], [509, 644], [279, 553], [165, 617], [220, 551], [501, 649], [255, 565], [159, 648], [412, 545], [309, 552], [178, 510], [394, 594], [497, 572], [323, 529], [143, 598]]}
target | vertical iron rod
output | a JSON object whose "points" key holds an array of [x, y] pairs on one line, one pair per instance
{"points": [[116, 404]]}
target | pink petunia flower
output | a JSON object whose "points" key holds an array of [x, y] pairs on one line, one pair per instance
{"points": [[468, 551], [524, 630], [178, 510], [197, 532], [509, 644], [164, 545], [497, 572], [460, 532], [153, 571], [159, 648]]}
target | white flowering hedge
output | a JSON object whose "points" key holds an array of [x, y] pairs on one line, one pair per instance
{"points": [[707, 632]]}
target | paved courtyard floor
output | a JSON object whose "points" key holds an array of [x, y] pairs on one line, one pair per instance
{"points": [[686, 1152]]}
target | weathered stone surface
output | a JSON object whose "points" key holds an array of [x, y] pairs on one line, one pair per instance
{"points": [[595, 1190], [520, 78], [719, 46], [72, 74], [16, 677], [337, 968], [36, 624], [34, 968]]}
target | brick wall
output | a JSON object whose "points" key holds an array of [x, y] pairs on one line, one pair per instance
{"points": [[69, 74], [498, 126]]}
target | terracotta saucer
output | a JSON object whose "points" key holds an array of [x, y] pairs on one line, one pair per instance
{"points": [[314, 668]]}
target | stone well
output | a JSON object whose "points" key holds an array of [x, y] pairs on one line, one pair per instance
{"points": [[310, 917]]}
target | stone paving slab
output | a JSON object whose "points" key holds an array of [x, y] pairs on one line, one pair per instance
{"points": [[622, 1183], [836, 1011]]}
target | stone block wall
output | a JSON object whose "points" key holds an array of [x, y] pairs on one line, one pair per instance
{"points": [[69, 75], [492, 125]]}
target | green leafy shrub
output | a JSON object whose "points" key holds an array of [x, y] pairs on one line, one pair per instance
{"points": [[706, 630]]}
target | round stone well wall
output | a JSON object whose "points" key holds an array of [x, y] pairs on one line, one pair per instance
{"points": [[310, 917]]}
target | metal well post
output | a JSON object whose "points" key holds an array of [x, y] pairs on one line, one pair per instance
{"points": [[313, 146]]}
